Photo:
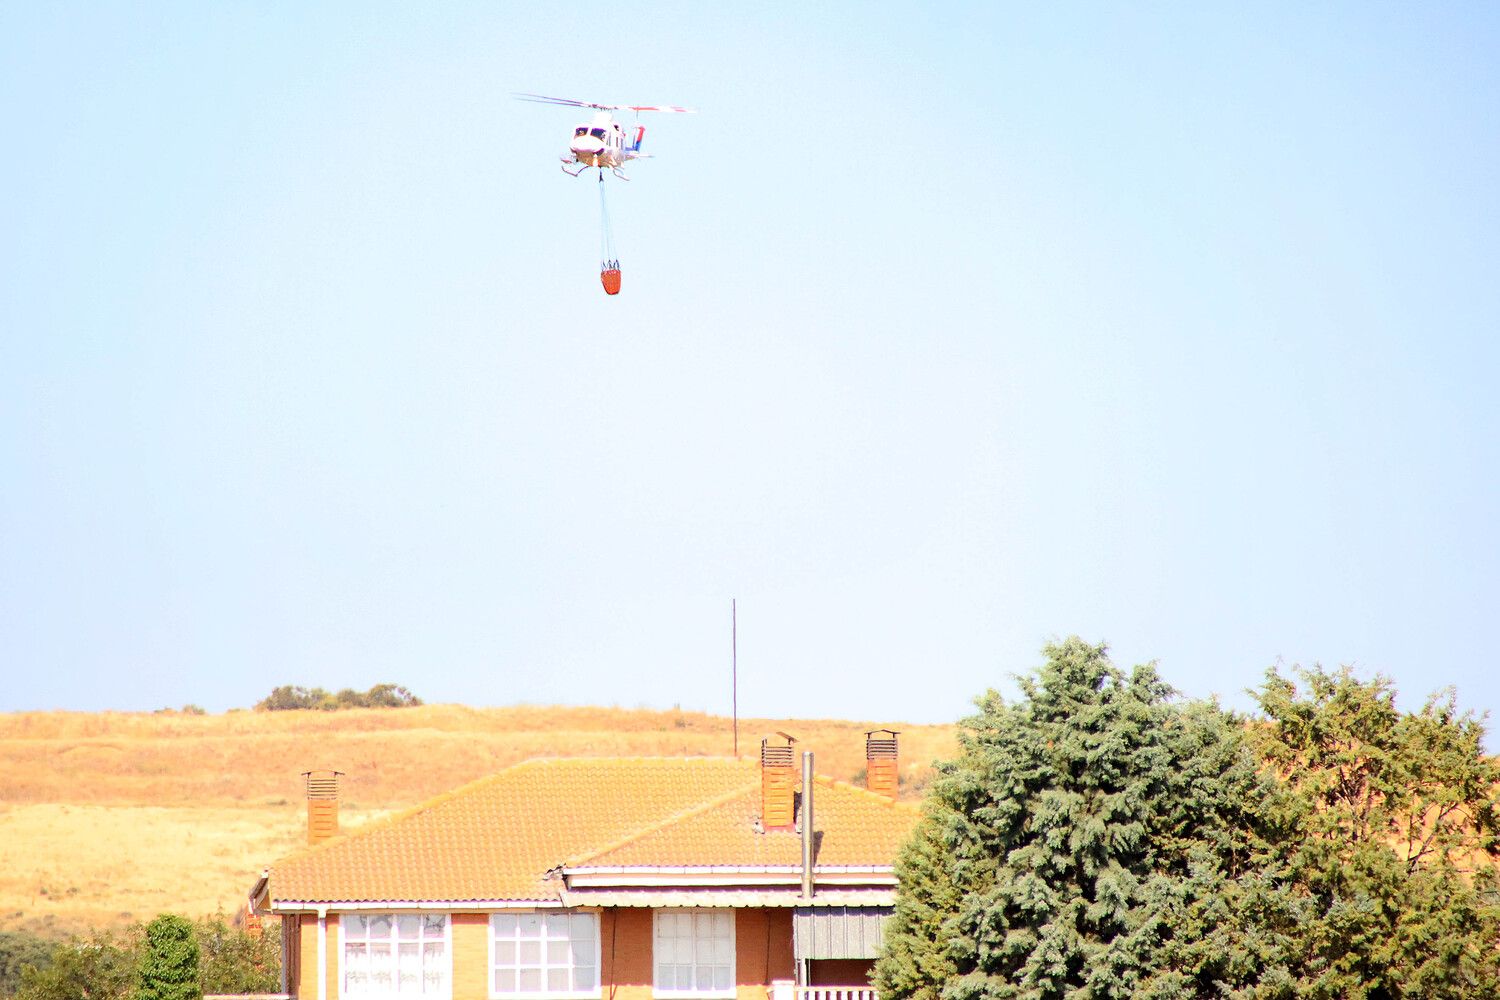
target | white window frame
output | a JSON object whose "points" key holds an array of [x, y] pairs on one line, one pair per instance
{"points": [[657, 990], [593, 994], [446, 991]]}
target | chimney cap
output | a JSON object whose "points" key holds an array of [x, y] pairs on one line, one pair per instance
{"points": [[871, 732], [322, 784]]}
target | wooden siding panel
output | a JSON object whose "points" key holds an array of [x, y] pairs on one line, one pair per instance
{"points": [[839, 931]]}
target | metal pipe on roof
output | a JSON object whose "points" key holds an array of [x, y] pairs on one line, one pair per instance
{"points": [[807, 824]]}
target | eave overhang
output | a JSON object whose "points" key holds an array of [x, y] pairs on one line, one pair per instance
{"points": [[785, 897], [726, 875], [411, 905]]}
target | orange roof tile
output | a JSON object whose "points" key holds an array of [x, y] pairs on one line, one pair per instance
{"points": [[497, 838], [858, 828]]}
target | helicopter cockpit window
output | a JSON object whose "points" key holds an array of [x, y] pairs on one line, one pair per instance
{"points": [[581, 130], [597, 133]]}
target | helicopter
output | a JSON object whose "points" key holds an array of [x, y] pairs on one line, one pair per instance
{"points": [[603, 142]]}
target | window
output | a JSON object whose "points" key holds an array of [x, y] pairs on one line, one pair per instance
{"points": [[581, 130], [544, 954], [597, 133], [395, 953], [694, 952]]}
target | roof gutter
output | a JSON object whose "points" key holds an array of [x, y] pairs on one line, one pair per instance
{"points": [[671, 870], [408, 905], [791, 877]]}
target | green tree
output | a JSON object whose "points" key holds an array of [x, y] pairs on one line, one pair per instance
{"points": [[234, 960], [391, 696], [19, 949], [112, 965], [100, 968], [169, 961], [288, 697], [916, 960], [1088, 841], [1393, 861]]}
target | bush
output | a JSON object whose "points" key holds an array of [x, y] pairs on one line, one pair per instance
{"points": [[235, 960], [19, 949], [102, 967], [289, 697], [113, 966]]}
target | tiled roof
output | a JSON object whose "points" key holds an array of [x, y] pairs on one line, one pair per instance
{"points": [[497, 838], [857, 827]]}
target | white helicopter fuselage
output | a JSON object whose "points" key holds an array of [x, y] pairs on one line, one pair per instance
{"points": [[603, 143]]}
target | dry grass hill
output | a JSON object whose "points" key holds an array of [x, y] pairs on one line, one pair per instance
{"points": [[106, 818]]}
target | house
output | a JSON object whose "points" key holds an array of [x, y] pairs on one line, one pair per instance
{"points": [[601, 879]]}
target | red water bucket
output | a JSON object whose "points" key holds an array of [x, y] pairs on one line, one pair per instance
{"points": [[610, 276]]}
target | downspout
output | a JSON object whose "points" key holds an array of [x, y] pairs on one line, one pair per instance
{"points": [[322, 953], [807, 824]]}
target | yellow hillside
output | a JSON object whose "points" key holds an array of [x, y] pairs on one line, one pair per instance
{"points": [[111, 817]]}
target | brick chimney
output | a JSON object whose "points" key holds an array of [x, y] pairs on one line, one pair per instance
{"points": [[778, 783], [882, 775], [322, 805]]}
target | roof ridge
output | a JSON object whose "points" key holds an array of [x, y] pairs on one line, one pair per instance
{"points": [[884, 799], [714, 803], [678, 817]]}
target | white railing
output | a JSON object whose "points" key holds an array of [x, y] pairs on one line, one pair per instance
{"points": [[834, 993]]}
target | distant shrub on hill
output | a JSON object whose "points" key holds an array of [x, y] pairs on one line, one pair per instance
{"points": [[289, 697]]}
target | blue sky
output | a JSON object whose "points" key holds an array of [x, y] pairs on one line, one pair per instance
{"points": [[944, 331]]}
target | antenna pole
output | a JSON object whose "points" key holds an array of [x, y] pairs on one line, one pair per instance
{"points": [[734, 671]]}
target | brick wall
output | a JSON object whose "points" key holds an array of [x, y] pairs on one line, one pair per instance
{"points": [[471, 955], [762, 951], [625, 954]]}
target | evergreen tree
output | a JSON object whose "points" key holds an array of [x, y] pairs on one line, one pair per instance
{"points": [[1089, 841], [1393, 864], [169, 961], [916, 961]]}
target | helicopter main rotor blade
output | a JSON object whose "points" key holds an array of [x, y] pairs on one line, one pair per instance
{"points": [[569, 102], [543, 99]]}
